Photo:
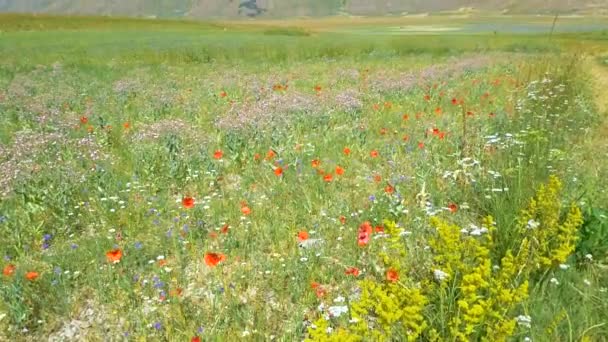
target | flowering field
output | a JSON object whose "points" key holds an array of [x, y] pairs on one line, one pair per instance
{"points": [[219, 183]]}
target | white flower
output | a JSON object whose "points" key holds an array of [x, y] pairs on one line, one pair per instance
{"points": [[554, 281], [564, 266], [337, 311], [339, 299], [524, 320], [533, 224], [440, 275], [587, 282], [589, 257]]}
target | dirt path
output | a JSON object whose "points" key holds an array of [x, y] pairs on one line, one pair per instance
{"points": [[594, 153]]}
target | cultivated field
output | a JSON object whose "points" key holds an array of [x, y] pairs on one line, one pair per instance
{"points": [[413, 179]]}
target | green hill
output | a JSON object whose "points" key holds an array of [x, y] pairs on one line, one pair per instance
{"points": [[289, 8]]}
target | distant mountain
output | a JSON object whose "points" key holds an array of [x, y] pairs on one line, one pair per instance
{"points": [[290, 8]]}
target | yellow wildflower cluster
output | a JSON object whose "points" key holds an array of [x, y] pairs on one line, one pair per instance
{"points": [[465, 296], [484, 298], [548, 242]]}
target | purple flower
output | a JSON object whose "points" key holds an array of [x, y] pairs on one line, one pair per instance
{"points": [[73, 246], [138, 245], [372, 198], [45, 246], [157, 326], [47, 237], [57, 270]]}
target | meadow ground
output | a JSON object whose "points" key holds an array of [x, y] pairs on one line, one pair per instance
{"points": [[338, 179]]}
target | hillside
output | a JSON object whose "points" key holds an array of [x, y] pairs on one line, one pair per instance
{"points": [[287, 8]]}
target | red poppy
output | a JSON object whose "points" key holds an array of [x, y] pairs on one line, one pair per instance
{"points": [[352, 271], [223, 94], [270, 154], [388, 105], [453, 207], [339, 170], [376, 106], [213, 235], [84, 120], [126, 125], [176, 293], [454, 101], [302, 236], [374, 154], [377, 178], [278, 171], [162, 263], [90, 129], [342, 219], [438, 110], [389, 189], [379, 229], [427, 97], [469, 113], [196, 339], [320, 292], [406, 117], [392, 275], [406, 138], [420, 145], [114, 256], [441, 135], [212, 259], [245, 210], [317, 88], [365, 231], [188, 202], [328, 177], [346, 150], [218, 154], [383, 131], [314, 285], [315, 163], [31, 276], [9, 270], [225, 229]]}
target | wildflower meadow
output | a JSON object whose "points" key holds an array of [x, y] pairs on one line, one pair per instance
{"points": [[322, 180]]}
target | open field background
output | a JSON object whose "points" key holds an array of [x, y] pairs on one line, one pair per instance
{"points": [[131, 150]]}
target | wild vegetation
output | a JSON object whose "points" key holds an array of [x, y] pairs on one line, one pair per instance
{"points": [[167, 180]]}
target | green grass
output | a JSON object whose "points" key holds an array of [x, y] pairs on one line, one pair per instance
{"points": [[98, 185]]}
